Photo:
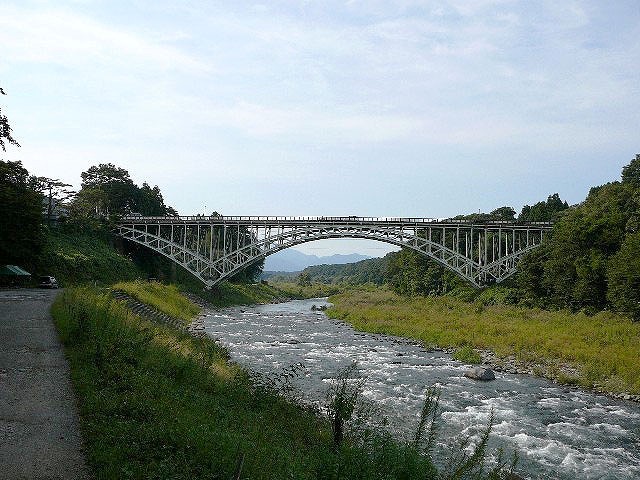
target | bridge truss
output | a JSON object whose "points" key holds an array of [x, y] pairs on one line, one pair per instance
{"points": [[216, 247]]}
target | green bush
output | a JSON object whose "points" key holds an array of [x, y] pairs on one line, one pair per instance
{"points": [[467, 354]]}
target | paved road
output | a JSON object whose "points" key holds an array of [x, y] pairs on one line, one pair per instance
{"points": [[39, 432]]}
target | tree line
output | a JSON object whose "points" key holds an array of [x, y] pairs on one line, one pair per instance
{"points": [[590, 261]]}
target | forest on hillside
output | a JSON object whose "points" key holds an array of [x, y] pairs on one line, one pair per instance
{"points": [[50, 229], [590, 262]]}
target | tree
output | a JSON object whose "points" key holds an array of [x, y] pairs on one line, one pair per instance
{"points": [[21, 213], [581, 242], [5, 130], [150, 202], [56, 192], [623, 275], [543, 211], [504, 213], [579, 263], [304, 279], [410, 273], [111, 186], [108, 190], [631, 172]]}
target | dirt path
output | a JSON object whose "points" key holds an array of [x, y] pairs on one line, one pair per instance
{"points": [[39, 426]]}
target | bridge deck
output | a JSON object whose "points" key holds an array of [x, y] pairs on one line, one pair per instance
{"points": [[350, 220]]}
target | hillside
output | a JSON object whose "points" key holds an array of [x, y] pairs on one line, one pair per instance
{"points": [[291, 260], [372, 270], [79, 257]]}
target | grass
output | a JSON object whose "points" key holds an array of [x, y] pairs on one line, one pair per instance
{"points": [[603, 348], [165, 298], [156, 403], [467, 354], [76, 258], [227, 294]]}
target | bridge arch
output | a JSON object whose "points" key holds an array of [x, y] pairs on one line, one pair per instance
{"points": [[215, 248]]}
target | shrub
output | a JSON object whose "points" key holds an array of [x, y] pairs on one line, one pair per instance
{"points": [[467, 354]]}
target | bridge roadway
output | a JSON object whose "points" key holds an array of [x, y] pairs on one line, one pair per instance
{"points": [[216, 247], [349, 220]]}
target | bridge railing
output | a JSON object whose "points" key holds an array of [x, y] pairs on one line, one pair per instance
{"points": [[259, 219]]}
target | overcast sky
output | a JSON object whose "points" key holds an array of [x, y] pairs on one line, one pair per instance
{"points": [[374, 108]]}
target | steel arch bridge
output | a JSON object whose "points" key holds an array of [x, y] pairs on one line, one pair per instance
{"points": [[214, 248]]}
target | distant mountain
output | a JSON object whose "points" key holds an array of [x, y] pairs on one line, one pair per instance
{"points": [[294, 261]]}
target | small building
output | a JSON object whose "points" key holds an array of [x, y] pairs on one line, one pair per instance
{"points": [[12, 275]]}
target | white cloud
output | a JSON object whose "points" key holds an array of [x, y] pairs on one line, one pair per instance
{"points": [[71, 40]]}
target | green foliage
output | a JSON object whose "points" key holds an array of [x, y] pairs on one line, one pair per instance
{"points": [[631, 172], [155, 403], [165, 298], [77, 257], [21, 213], [304, 279], [372, 270], [315, 290], [343, 398], [498, 295], [582, 264], [108, 190], [228, 293], [360, 422], [623, 275], [504, 213], [410, 273], [467, 354], [5, 130], [543, 211]]}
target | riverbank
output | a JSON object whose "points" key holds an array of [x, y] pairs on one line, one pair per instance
{"points": [[157, 402], [595, 352]]}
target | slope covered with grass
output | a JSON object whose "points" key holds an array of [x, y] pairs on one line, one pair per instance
{"points": [[165, 298], [78, 257]]}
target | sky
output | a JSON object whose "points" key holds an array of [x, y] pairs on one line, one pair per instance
{"points": [[360, 107]]}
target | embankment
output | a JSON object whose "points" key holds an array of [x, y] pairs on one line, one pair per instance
{"points": [[598, 351]]}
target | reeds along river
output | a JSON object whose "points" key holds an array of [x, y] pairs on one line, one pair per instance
{"points": [[558, 432]]}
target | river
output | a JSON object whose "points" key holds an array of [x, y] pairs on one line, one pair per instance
{"points": [[558, 432]]}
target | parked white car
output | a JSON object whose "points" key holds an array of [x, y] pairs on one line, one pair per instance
{"points": [[48, 282]]}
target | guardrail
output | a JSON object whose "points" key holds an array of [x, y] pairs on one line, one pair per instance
{"points": [[250, 219]]}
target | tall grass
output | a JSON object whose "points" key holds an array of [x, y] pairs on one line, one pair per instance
{"points": [[603, 347], [156, 403], [165, 298]]}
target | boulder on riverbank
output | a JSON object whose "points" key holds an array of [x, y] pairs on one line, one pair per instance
{"points": [[480, 373]]}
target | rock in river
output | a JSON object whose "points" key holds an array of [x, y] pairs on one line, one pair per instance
{"points": [[480, 373]]}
